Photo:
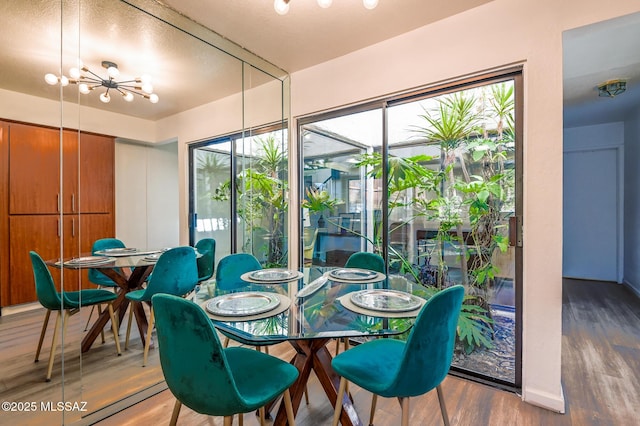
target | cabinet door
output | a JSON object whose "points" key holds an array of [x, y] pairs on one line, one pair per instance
{"points": [[39, 233], [34, 169], [97, 158]]}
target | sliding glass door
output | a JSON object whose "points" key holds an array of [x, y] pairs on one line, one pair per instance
{"points": [[430, 181]]}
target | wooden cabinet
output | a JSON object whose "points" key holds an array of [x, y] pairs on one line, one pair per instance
{"points": [[60, 197]]}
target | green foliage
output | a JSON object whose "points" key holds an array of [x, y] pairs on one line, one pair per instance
{"points": [[474, 325], [319, 200]]}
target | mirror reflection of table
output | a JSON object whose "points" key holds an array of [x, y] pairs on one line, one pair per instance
{"points": [[129, 273], [310, 323]]}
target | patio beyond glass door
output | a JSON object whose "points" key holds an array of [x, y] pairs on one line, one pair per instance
{"points": [[211, 218], [431, 182]]}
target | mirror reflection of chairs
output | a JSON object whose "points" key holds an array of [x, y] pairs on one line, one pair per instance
{"points": [[98, 278], [208, 378], [68, 301], [175, 273], [207, 249], [395, 369]]}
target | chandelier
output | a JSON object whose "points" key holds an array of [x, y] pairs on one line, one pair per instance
{"points": [[282, 6], [88, 81]]}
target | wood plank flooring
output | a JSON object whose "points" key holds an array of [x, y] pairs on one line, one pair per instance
{"points": [[600, 360]]}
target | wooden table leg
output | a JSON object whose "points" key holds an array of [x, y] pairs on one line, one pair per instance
{"points": [[313, 355], [133, 282]]}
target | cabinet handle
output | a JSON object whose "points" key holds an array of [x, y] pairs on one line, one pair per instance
{"points": [[58, 201], [58, 220], [73, 227], [73, 203]]}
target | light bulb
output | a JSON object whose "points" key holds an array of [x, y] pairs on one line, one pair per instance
{"points": [[64, 81], [113, 72], [74, 73], [281, 7], [324, 3], [153, 98], [147, 88], [51, 79], [84, 88], [105, 97], [128, 96], [370, 4]]}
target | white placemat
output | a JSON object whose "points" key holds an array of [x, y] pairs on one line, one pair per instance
{"points": [[379, 277], [285, 302], [347, 303]]}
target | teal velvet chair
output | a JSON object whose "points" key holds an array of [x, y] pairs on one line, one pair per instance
{"points": [[95, 276], [98, 278], [395, 369], [208, 378], [362, 260], [207, 249], [365, 260], [228, 273], [69, 302], [176, 273]]}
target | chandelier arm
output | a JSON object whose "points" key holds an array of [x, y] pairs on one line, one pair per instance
{"points": [[85, 79], [93, 73], [121, 83], [127, 88]]}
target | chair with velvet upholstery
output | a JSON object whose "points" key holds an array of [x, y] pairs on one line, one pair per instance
{"points": [[98, 278], [362, 260], [207, 249], [67, 301], [365, 260], [176, 273], [395, 369], [208, 378]]}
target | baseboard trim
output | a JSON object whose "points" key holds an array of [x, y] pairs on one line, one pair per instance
{"points": [[546, 400], [631, 287]]}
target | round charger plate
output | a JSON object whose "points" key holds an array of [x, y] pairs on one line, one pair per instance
{"points": [[271, 276], [115, 252], [312, 287], [385, 300], [353, 274], [245, 303], [89, 260], [152, 257]]}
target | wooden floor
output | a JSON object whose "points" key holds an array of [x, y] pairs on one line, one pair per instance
{"points": [[600, 360]]}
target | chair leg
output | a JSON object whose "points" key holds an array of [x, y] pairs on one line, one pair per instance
{"points": [[336, 413], [306, 394], [443, 408], [226, 342], [337, 346], [126, 341], [374, 400], [101, 331], [266, 350], [42, 333], [54, 342], [114, 327], [86, 326], [175, 413], [261, 413], [228, 420], [289, 408], [147, 342], [404, 402], [240, 419]]}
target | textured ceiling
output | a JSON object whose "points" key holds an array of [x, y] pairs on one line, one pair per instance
{"points": [[187, 72]]}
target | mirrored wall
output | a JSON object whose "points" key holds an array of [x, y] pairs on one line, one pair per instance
{"points": [[100, 150]]}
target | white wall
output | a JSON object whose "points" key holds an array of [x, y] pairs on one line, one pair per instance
{"points": [[632, 203], [147, 191], [493, 35]]}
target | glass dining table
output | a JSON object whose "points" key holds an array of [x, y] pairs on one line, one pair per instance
{"points": [[308, 311], [129, 270]]}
